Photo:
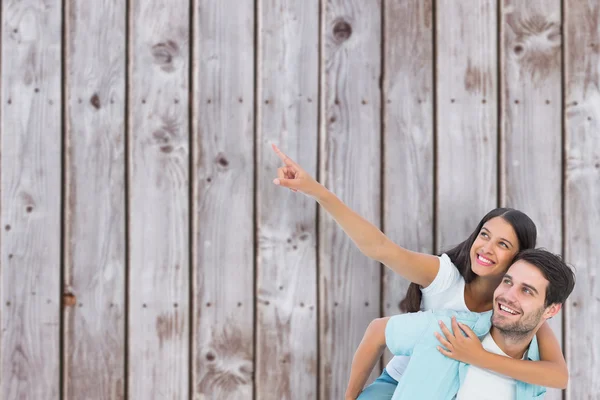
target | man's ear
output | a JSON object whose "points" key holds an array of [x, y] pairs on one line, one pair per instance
{"points": [[552, 310]]}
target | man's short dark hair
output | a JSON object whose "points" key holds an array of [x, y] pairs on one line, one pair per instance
{"points": [[560, 276]]}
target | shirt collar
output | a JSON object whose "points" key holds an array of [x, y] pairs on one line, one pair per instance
{"points": [[533, 352]]}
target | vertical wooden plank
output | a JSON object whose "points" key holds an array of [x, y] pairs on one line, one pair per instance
{"points": [[531, 138], [408, 136], [466, 74], [224, 199], [286, 354], [158, 345], [95, 200], [582, 193], [30, 186], [350, 167]]}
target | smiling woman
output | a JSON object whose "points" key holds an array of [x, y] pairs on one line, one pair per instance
{"points": [[494, 248]]}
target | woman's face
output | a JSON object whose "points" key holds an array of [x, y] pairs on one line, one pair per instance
{"points": [[494, 248]]}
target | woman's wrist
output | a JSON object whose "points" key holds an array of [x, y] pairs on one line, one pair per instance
{"points": [[321, 194]]}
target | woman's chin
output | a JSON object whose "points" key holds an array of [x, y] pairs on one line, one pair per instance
{"points": [[484, 271]]}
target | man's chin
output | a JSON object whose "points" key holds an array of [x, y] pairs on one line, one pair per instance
{"points": [[501, 322]]}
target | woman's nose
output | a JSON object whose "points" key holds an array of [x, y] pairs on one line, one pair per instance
{"points": [[487, 247]]}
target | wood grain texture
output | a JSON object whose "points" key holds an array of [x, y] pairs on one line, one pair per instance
{"points": [[287, 339], [95, 200], [30, 187], [531, 161], [582, 193], [224, 200], [466, 75], [350, 167], [159, 217], [408, 136], [31, 194]]}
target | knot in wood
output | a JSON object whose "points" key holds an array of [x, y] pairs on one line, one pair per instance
{"points": [[95, 101], [518, 49], [222, 161], [69, 299], [342, 30], [164, 53]]}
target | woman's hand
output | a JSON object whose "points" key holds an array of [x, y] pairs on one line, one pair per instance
{"points": [[458, 347], [293, 177]]}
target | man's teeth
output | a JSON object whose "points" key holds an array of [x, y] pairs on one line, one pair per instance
{"points": [[485, 260], [508, 310]]}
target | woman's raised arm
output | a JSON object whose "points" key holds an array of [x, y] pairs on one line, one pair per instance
{"points": [[415, 267]]}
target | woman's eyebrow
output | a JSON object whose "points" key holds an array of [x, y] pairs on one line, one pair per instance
{"points": [[506, 240]]}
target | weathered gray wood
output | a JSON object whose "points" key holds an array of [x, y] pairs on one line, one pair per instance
{"points": [[159, 217], [95, 200], [224, 199], [286, 354], [30, 205], [408, 136], [582, 193], [350, 167], [466, 75], [531, 167]]}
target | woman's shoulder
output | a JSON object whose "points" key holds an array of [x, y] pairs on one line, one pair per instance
{"points": [[447, 277]]}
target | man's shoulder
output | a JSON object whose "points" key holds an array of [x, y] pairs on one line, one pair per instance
{"points": [[480, 323], [462, 315]]}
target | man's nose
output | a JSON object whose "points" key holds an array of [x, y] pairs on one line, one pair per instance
{"points": [[511, 294]]}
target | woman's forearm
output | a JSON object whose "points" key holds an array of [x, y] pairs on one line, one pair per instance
{"points": [[413, 266], [368, 353], [367, 237], [364, 361], [542, 373]]}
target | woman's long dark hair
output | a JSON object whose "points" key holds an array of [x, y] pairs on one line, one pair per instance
{"points": [[460, 255]]}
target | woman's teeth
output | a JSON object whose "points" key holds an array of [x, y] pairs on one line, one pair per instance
{"points": [[484, 260]]}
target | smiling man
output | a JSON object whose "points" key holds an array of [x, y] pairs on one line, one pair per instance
{"points": [[532, 291]]}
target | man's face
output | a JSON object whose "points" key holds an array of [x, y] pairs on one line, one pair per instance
{"points": [[519, 300]]}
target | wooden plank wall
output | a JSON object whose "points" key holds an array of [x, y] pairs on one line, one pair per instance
{"points": [[530, 122], [408, 136], [350, 167], [145, 252], [288, 110], [158, 342], [94, 222], [223, 173], [466, 109], [30, 206], [582, 190]]}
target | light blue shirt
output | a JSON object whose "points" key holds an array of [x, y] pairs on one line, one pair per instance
{"points": [[430, 374]]}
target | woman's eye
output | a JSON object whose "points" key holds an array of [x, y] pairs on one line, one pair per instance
{"points": [[503, 245], [484, 234]]}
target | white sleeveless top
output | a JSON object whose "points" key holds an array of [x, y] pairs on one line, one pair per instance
{"points": [[447, 291]]}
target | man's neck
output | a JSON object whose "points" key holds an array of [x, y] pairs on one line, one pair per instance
{"points": [[513, 347]]}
